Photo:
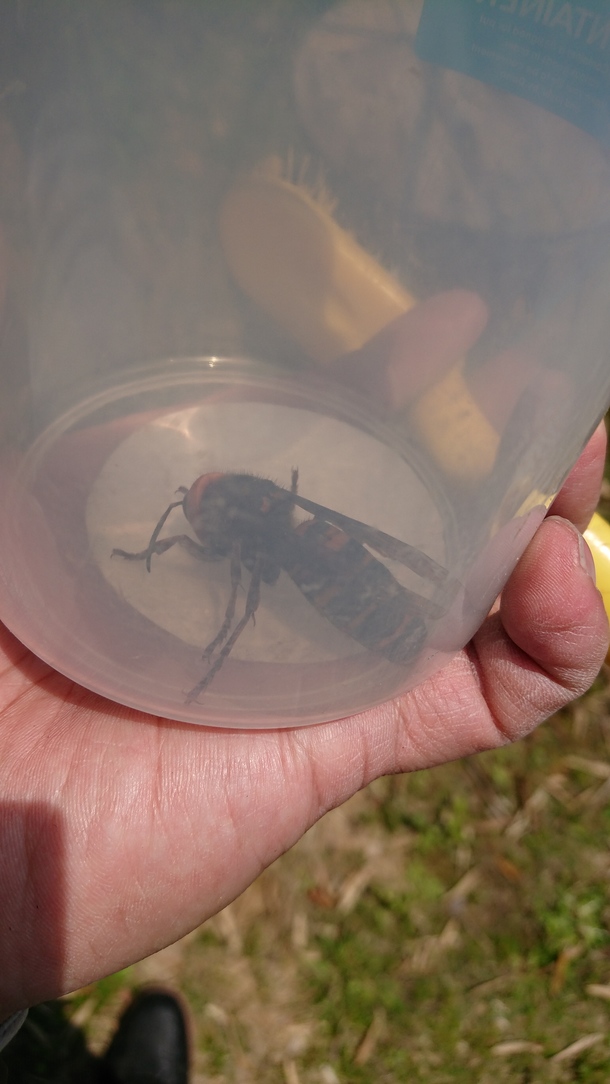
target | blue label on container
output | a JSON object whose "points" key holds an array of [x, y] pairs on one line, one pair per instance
{"points": [[552, 53]]}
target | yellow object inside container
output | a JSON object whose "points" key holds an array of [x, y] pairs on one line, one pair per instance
{"points": [[312, 277], [290, 256]]}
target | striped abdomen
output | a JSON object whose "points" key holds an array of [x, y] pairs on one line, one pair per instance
{"points": [[353, 590]]}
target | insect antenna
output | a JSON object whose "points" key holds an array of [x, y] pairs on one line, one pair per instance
{"points": [[252, 602], [154, 546]]}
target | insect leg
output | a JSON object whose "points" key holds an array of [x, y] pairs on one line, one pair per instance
{"points": [[252, 602], [161, 546], [223, 632]]}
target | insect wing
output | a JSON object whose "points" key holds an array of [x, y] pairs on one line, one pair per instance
{"points": [[385, 544]]}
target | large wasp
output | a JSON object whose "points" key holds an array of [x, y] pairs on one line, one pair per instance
{"points": [[251, 521]]}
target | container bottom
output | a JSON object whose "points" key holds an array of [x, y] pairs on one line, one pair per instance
{"points": [[101, 476]]}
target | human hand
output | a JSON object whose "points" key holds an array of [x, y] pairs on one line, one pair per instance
{"points": [[119, 832]]}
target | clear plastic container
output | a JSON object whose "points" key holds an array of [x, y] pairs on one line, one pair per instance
{"points": [[328, 279]]}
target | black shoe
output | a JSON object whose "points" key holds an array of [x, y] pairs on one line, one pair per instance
{"points": [[150, 1044]]}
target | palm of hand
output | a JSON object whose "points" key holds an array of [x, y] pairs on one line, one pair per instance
{"points": [[119, 832]]}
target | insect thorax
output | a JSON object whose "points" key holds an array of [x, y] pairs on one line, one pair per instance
{"points": [[251, 511]]}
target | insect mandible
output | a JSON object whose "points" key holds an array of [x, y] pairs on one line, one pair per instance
{"points": [[251, 521]]}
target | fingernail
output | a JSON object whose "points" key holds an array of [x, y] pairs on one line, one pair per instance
{"points": [[585, 557]]}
